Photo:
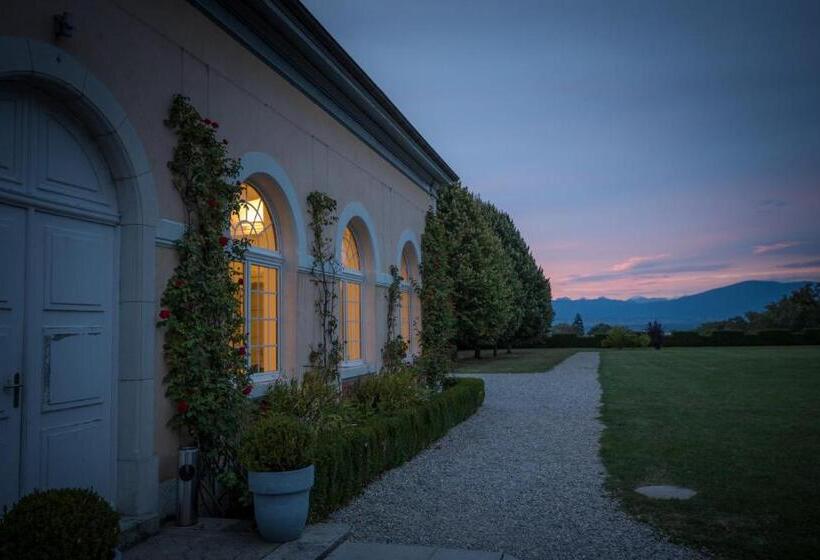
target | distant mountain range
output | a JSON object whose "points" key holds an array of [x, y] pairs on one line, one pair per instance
{"points": [[681, 313]]}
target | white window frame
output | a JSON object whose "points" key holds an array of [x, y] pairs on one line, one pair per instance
{"points": [[270, 259], [274, 260], [353, 277]]}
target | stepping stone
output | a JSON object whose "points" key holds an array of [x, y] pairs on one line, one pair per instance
{"points": [[665, 492]]}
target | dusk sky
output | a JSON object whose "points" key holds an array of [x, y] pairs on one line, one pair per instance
{"points": [[642, 148]]}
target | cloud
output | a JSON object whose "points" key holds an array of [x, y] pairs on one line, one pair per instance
{"points": [[636, 263], [801, 265], [774, 247], [645, 270]]}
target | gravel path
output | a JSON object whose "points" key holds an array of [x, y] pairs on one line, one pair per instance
{"points": [[522, 476]]}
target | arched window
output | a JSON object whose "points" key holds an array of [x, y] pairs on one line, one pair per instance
{"points": [[406, 302], [259, 276], [351, 288]]}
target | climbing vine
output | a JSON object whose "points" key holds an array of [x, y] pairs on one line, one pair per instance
{"points": [[395, 347], [326, 357], [208, 375]]}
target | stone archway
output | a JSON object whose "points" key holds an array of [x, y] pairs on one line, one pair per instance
{"points": [[60, 76]]}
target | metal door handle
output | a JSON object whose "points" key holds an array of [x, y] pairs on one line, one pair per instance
{"points": [[16, 385]]}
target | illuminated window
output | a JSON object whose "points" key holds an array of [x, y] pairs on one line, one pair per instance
{"points": [[260, 281], [351, 299], [253, 221]]}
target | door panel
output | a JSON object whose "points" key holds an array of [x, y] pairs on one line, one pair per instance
{"points": [[12, 279], [69, 355]]}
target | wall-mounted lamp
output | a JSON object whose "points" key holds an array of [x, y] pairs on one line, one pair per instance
{"points": [[63, 25]]}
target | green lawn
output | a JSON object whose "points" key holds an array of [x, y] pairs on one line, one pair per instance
{"points": [[739, 425], [522, 360]]}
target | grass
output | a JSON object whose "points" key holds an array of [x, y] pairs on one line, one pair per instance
{"points": [[741, 426], [522, 360]]}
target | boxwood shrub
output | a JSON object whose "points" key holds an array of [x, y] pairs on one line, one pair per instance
{"points": [[60, 523], [347, 460]]}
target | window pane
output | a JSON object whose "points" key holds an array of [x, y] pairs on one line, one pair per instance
{"points": [[351, 320], [253, 221], [263, 320], [406, 317], [350, 251]]}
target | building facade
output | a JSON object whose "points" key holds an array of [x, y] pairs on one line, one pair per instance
{"points": [[89, 217]]}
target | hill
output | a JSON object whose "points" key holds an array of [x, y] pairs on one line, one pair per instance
{"points": [[681, 313]]}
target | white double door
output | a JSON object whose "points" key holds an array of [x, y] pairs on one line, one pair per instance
{"points": [[58, 293]]}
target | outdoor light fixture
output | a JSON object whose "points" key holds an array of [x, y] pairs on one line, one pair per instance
{"points": [[63, 25]]}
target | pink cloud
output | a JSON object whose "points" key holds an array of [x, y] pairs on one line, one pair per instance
{"points": [[634, 262], [774, 247]]}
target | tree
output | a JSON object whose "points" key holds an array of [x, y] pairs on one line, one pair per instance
{"points": [[436, 295], [621, 337], [655, 332], [797, 311], [564, 328], [515, 254], [482, 297], [599, 329], [578, 325]]}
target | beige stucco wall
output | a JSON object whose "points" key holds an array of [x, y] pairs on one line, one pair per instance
{"points": [[146, 51]]}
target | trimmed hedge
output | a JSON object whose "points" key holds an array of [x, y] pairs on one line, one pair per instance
{"points": [[567, 341], [347, 461], [772, 337]]}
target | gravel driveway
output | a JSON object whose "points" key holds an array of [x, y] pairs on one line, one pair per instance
{"points": [[522, 476]]}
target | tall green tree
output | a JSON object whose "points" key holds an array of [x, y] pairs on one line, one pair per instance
{"points": [[578, 325], [532, 314], [436, 296], [482, 299]]}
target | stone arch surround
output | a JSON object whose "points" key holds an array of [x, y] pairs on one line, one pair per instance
{"points": [[57, 73]]}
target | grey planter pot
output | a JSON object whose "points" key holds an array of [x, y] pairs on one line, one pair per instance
{"points": [[280, 502]]}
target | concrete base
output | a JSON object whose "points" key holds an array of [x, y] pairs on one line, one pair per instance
{"points": [[232, 539], [316, 543], [376, 551], [665, 492]]}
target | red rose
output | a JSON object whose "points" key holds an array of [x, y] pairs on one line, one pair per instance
{"points": [[164, 314], [223, 240], [247, 390], [214, 124], [207, 121], [241, 281], [212, 203], [241, 350], [179, 283], [225, 141], [182, 407]]}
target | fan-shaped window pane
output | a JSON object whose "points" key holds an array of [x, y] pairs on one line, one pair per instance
{"points": [[253, 221], [350, 251]]}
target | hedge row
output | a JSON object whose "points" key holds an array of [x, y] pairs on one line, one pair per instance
{"points": [[739, 338], [568, 341], [347, 461], [772, 337]]}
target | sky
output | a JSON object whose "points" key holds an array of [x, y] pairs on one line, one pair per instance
{"points": [[642, 148]]}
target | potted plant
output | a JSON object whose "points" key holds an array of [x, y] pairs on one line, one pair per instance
{"points": [[60, 523], [278, 454]]}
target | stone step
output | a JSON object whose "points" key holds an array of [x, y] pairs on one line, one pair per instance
{"points": [[136, 529]]}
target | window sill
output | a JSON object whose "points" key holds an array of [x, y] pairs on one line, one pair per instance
{"points": [[260, 383], [348, 370]]}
